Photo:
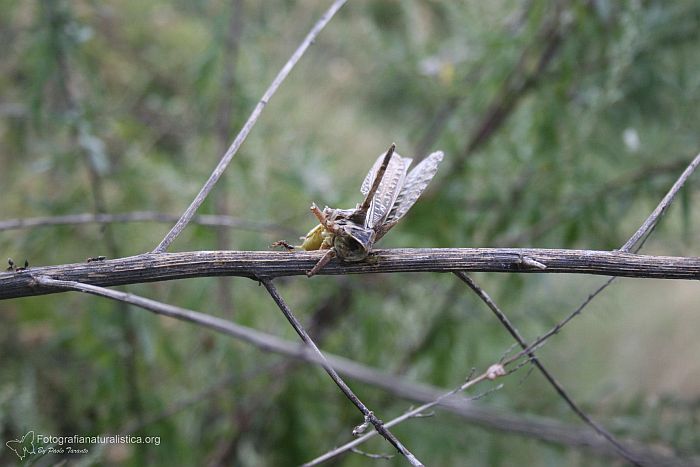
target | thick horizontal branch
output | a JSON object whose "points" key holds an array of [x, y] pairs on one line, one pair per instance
{"points": [[258, 265]]}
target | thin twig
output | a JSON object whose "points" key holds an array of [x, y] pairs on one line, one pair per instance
{"points": [[488, 374], [368, 414], [653, 218], [633, 244], [539, 428], [224, 113], [373, 456], [481, 293], [80, 127], [243, 134], [539, 342], [143, 216]]}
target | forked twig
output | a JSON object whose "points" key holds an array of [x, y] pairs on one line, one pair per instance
{"points": [[633, 244], [653, 218], [491, 373], [368, 414], [547, 430], [644, 230], [481, 293], [243, 134]]}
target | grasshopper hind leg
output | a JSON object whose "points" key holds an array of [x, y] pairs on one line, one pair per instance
{"points": [[325, 259]]}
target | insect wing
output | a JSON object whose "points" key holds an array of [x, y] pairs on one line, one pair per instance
{"points": [[363, 236], [369, 178], [388, 190], [414, 185]]}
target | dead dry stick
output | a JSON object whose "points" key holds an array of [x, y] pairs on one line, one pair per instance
{"points": [[493, 372], [368, 414], [150, 267], [481, 293], [651, 221], [634, 243], [543, 429], [243, 134]]}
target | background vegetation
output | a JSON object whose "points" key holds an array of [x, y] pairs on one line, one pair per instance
{"points": [[563, 123]]}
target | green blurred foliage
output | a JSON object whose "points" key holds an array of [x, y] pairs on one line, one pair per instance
{"points": [[116, 107]]}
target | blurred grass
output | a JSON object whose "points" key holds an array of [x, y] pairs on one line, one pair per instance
{"points": [[132, 90]]}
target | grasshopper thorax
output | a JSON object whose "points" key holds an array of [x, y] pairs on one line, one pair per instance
{"points": [[352, 242]]}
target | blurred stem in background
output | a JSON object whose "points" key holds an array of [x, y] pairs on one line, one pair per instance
{"points": [[224, 120], [63, 50]]}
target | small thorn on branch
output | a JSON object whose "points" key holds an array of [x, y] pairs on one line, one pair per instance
{"points": [[531, 263]]}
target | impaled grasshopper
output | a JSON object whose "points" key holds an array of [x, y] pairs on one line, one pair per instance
{"points": [[390, 191]]}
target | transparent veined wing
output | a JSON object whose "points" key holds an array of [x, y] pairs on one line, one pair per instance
{"points": [[388, 190], [415, 183], [369, 178]]}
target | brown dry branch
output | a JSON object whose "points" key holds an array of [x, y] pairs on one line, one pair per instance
{"points": [[309, 350], [247, 127], [639, 237], [481, 293], [79, 126], [642, 454], [257, 265], [223, 119], [313, 348], [536, 427], [634, 242], [490, 374]]}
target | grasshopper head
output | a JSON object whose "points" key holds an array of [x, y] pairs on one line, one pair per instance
{"points": [[352, 243]]}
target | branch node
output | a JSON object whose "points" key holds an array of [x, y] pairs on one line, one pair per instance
{"points": [[361, 428], [496, 370], [531, 263]]}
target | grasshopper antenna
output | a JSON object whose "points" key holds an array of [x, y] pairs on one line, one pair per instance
{"points": [[364, 207]]}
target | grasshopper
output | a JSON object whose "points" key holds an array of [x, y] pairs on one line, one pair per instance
{"points": [[390, 191]]}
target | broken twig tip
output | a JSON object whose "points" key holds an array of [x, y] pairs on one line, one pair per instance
{"points": [[531, 263]]}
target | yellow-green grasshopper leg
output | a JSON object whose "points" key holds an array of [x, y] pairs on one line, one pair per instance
{"points": [[318, 238]]}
